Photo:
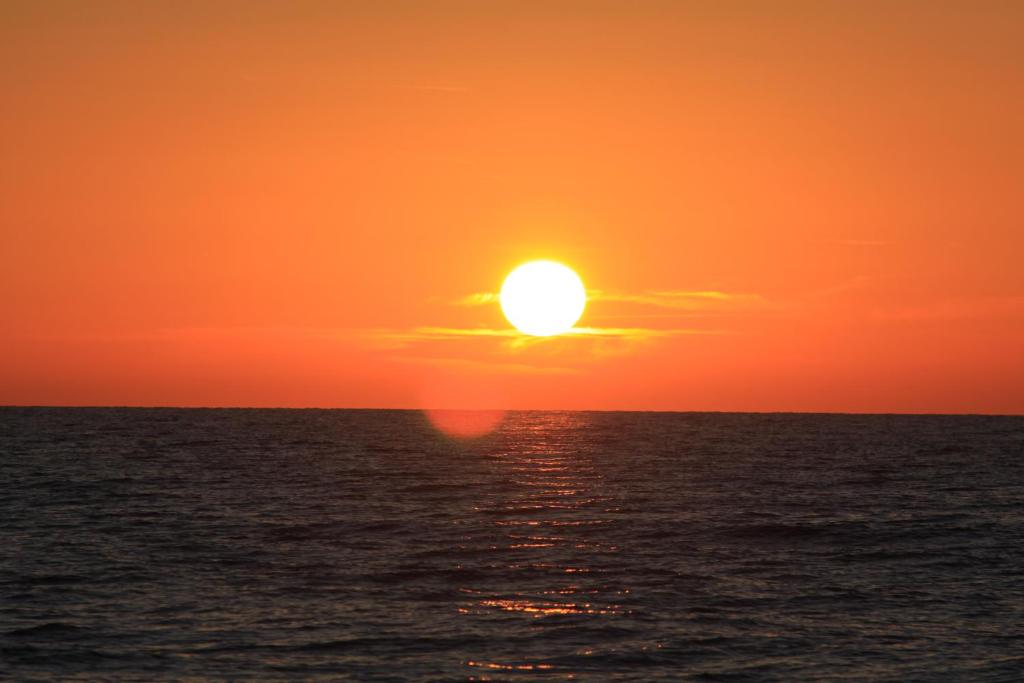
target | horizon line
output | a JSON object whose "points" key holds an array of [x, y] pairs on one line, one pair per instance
{"points": [[8, 406]]}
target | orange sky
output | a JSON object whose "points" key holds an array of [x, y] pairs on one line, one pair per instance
{"points": [[784, 205]]}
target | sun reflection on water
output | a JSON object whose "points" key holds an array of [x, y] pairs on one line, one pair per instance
{"points": [[547, 528]]}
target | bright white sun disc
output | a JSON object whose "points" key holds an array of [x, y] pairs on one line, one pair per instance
{"points": [[543, 298]]}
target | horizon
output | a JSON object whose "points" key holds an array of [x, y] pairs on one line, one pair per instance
{"points": [[428, 409]]}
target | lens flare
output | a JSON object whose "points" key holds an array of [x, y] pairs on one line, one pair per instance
{"points": [[461, 406], [465, 424]]}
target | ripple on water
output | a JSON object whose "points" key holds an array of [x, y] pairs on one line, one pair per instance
{"points": [[175, 544]]}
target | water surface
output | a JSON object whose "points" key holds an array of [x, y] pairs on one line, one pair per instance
{"points": [[363, 545]]}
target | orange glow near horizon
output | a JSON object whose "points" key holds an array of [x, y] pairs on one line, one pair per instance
{"points": [[798, 207]]}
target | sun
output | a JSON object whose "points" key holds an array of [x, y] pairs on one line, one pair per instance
{"points": [[543, 298]]}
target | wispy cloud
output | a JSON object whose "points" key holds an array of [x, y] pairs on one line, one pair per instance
{"points": [[487, 366], [679, 299], [635, 332], [581, 344], [404, 337], [676, 299], [401, 338], [478, 299]]}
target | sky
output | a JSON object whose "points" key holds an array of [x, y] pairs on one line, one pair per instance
{"points": [[775, 206]]}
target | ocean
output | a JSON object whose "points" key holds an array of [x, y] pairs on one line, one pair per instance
{"points": [[365, 545]]}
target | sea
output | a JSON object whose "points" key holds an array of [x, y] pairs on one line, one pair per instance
{"points": [[372, 545]]}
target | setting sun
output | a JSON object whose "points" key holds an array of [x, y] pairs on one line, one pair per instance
{"points": [[543, 298]]}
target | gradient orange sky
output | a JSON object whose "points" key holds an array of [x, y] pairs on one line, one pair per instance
{"points": [[778, 205]]}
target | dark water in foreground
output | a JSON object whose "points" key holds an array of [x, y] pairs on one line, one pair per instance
{"points": [[362, 545]]}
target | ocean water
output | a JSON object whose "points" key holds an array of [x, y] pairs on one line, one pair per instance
{"points": [[150, 545]]}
